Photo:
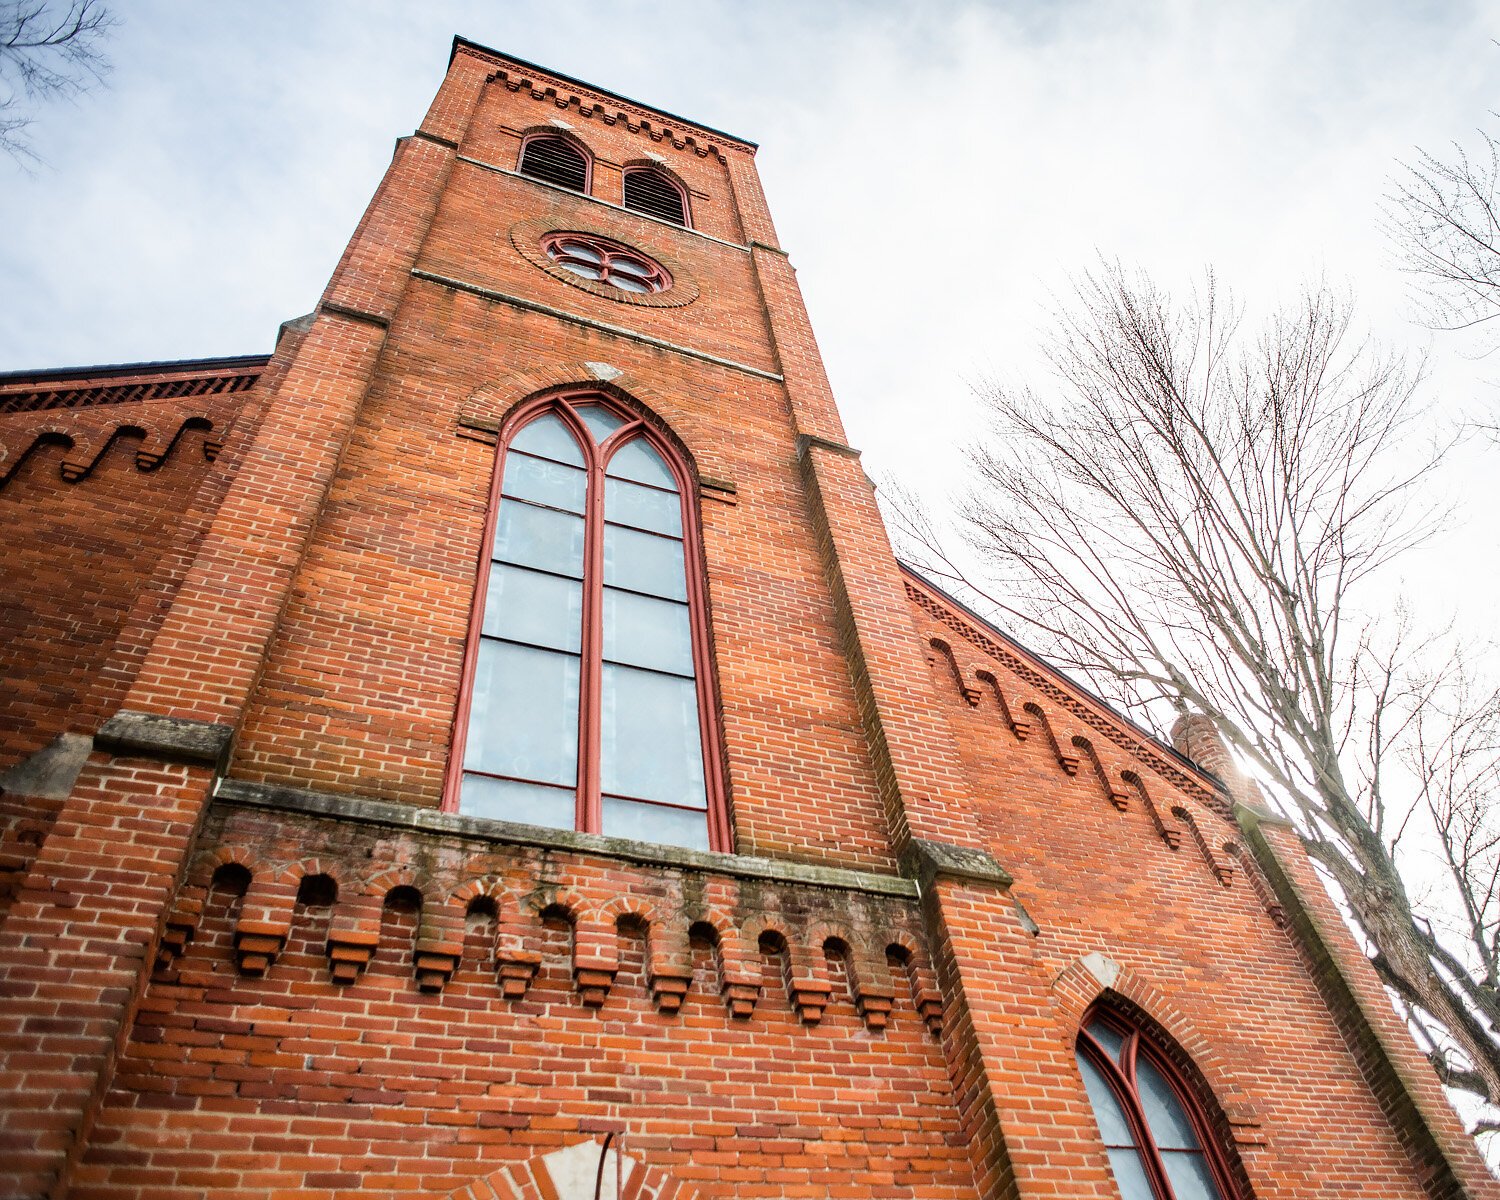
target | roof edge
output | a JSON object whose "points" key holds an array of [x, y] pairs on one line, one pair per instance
{"points": [[161, 367], [459, 41]]}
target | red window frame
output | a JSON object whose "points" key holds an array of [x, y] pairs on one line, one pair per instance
{"points": [[1121, 1080], [557, 135], [589, 797], [653, 275], [667, 178]]}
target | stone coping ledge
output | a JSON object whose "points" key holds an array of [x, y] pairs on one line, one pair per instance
{"points": [[427, 820], [176, 739]]}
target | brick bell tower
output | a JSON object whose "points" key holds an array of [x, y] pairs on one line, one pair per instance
{"points": [[528, 771]]}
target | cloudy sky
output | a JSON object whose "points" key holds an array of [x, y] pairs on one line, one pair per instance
{"points": [[937, 170]]}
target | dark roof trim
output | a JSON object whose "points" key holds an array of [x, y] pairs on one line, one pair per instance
{"points": [[180, 366], [593, 87], [1042, 664]]}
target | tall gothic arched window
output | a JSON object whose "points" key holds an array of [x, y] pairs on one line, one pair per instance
{"points": [[587, 700], [1160, 1142]]}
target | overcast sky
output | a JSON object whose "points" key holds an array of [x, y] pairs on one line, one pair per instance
{"points": [[936, 170]]}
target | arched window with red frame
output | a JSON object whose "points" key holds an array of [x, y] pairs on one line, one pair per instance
{"points": [[587, 701], [1160, 1141]]}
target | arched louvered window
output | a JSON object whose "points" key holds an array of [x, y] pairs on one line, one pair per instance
{"points": [[556, 160], [588, 702], [1160, 1142], [656, 194]]}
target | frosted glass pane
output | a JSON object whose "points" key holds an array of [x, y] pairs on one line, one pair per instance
{"points": [[1169, 1124], [538, 537], [655, 823], [582, 269], [626, 284], [1130, 1175], [579, 250], [1113, 1128], [1113, 1042], [652, 747], [523, 719], [544, 482], [548, 437], [645, 632], [528, 803], [1188, 1171], [600, 421], [644, 507], [644, 562], [638, 460], [625, 266], [527, 606]]}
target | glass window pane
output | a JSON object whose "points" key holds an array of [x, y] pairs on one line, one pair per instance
{"points": [[523, 718], [644, 507], [1130, 1174], [626, 284], [528, 803], [629, 266], [651, 744], [579, 250], [644, 562], [545, 482], [527, 606], [539, 537], [1112, 1042], [583, 269], [1169, 1124], [638, 460], [548, 437], [1113, 1127], [646, 632], [1190, 1176], [600, 421], [655, 823]]}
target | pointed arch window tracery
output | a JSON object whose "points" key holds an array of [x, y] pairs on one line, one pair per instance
{"points": [[587, 701], [1161, 1143]]}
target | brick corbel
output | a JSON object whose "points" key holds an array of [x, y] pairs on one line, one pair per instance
{"points": [[669, 967], [596, 961], [439, 946], [517, 956], [353, 936], [265, 922], [180, 926]]}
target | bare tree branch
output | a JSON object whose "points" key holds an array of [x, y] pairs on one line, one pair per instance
{"points": [[48, 51], [1197, 517]]}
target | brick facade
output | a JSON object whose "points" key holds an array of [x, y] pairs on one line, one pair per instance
{"points": [[249, 950]]}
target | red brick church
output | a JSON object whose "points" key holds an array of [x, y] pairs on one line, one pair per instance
{"points": [[487, 748]]}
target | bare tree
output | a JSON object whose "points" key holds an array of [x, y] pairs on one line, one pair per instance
{"points": [[1446, 228], [48, 51], [1200, 517]]}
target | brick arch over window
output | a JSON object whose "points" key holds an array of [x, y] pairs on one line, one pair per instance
{"points": [[573, 1173], [588, 700], [557, 158]]}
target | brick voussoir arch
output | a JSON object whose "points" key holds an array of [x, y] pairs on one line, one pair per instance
{"points": [[489, 407], [1096, 977], [570, 1174]]}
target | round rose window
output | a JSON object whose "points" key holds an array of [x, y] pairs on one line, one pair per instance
{"points": [[606, 262]]}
